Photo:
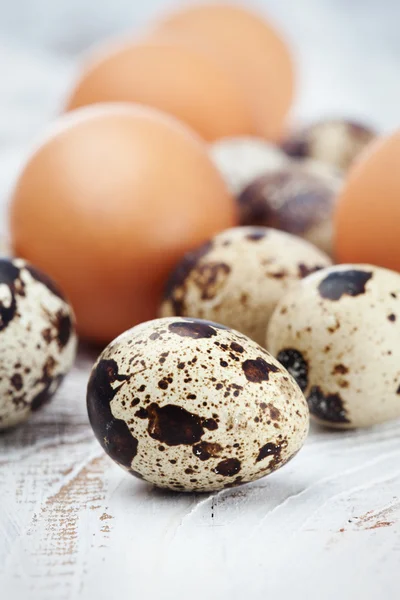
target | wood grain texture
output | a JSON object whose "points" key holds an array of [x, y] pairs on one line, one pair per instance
{"points": [[74, 525]]}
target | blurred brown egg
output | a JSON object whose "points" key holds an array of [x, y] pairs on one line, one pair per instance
{"points": [[108, 204], [180, 81], [367, 219], [249, 49]]}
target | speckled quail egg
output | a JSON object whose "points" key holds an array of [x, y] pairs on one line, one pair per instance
{"points": [[238, 277], [334, 141], [242, 159], [37, 340], [338, 334], [190, 405], [292, 199], [332, 176]]}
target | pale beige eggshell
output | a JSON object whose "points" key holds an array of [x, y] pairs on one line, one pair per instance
{"points": [[190, 405], [336, 142], [37, 340], [338, 334], [239, 276], [242, 159]]}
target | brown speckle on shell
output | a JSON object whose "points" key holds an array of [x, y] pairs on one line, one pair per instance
{"points": [[17, 381], [327, 407], [305, 270], [271, 449], [113, 434], [258, 370], [294, 362], [194, 329], [174, 425], [351, 282], [228, 467], [237, 347], [340, 370], [210, 277], [256, 234], [206, 450]]}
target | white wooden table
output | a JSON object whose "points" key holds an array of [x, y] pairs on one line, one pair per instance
{"points": [[75, 526]]}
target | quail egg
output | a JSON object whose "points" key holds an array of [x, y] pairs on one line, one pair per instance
{"points": [[238, 277], [242, 159], [292, 199], [338, 334], [37, 340], [334, 141], [190, 405]]}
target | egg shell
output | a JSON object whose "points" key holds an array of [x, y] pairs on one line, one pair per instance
{"points": [[367, 215], [4, 246], [248, 48], [189, 405], [337, 142], [338, 335], [240, 160], [238, 277], [37, 340], [180, 81], [108, 202], [293, 199], [331, 174]]}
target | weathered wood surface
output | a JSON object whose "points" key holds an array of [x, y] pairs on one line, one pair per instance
{"points": [[74, 525]]}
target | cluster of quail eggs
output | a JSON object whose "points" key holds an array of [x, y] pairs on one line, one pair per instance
{"points": [[292, 187], [257, 330]]}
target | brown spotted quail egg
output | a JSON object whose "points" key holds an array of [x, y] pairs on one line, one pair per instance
{"points": [[238, 277], [190, 405], [334, 141], [294, 199], [338, 334], [37, 340], [242, 159]]}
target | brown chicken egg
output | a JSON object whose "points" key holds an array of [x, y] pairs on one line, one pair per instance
{"points": [[180, 81], [248, 48], [108, 203], [367, 216]]}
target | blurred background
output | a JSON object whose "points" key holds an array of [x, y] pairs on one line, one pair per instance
{"points": [[347, 53]]}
